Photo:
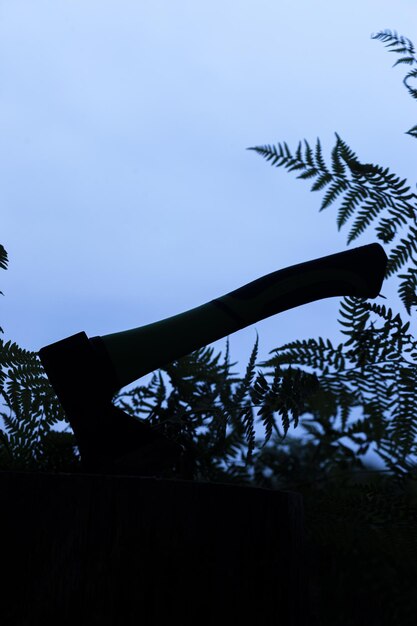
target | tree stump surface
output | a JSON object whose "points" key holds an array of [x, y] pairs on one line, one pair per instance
{"points": [[128, 551]]}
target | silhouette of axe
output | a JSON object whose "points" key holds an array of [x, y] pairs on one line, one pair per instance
{"points": [[86, 373]]}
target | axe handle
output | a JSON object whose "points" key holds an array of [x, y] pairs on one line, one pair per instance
{"points": [[358, 272]]}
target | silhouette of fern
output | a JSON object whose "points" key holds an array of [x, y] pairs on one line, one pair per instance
{"points": [[30, 409], [240, 398], [372, 371], [286, 396], [197, 400], [3, 258], [3, 265], [346, 398], [375, 369], [364, 191], [353, 513], [401, 45]]}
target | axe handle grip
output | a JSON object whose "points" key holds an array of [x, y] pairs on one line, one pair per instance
{"points": [[358, 272]]}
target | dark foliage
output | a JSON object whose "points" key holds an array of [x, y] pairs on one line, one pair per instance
{"points": [[347, 399]]}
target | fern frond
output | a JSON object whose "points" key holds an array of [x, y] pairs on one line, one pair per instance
{"points": [[362, 188], [402, 252], [412, 131], [321, 182], [404, 60], [399, 44], [403, 425], [244, 386], [313, 353], [333, 192], [411, 90], [338, 162], [354, 315], [368, 212], [269, 398], [387, 229], [248, 422], [355, 194], [408, 288], [4, 261]]}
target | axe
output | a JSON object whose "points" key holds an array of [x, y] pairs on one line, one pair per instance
{"points": [[85, 373]]}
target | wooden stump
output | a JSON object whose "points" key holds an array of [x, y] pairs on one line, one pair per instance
{"points": [[126, 551]]}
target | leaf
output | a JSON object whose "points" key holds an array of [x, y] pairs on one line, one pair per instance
{"points": [[412, 131], [406, 60], [3, 258]]}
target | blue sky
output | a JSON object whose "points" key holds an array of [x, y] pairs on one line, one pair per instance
{"points": [[126, 188]]}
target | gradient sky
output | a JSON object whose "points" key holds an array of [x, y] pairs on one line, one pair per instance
{"points": [[127, 191]]}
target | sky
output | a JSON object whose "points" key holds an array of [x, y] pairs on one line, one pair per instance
{"points": [[127, 191]]}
